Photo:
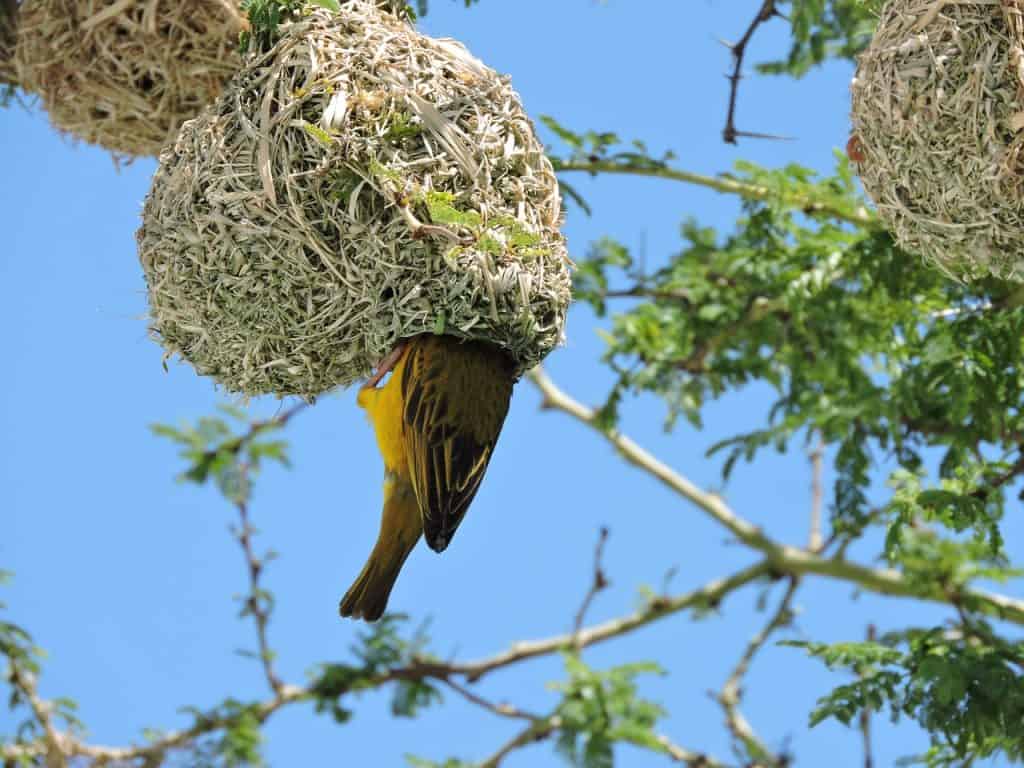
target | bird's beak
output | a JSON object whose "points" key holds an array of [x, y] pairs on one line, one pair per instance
{"points": [[385, 365]]}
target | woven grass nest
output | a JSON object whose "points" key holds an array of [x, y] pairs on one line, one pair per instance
{"points": [[937, 118], [8, 36], [357, 184], [125, 74]]}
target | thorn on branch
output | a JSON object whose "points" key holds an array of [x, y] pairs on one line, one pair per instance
{"points": [[730, 133]]}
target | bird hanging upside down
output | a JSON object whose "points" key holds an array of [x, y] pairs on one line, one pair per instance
{"points": [[437, 420]]}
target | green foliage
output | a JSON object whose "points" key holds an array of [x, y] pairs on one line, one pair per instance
{"points": [[859, 341], [265, 16], [212, 449], [961, 685], [239, 736], [600, 708], [824, 29], [379, 651], [600, 147]]}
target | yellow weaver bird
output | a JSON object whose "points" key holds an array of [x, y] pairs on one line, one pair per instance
{"points": [[437, 420]]}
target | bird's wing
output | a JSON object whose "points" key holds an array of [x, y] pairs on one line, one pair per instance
{"points": [[455, 400]]}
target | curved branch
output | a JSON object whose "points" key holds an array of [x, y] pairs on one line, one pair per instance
{"points": [[784, 558], [861, 216]]}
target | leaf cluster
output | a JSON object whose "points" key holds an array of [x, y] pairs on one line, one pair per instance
{"points": [[214, 449], [962, 685], [821, 30], [377, 654], [599, 708], [856, 340]]}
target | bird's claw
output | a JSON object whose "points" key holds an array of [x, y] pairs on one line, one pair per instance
{"points": [[385, 365]]}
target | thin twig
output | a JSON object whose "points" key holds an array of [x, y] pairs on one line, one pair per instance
{"points": [[255, 602], [865, 717], [711, 593], [25, 683], [860, 216], [732, 692], [814, 539], [502, 710], [598, 583], [538, 731], [784, 558], [738, 49]]}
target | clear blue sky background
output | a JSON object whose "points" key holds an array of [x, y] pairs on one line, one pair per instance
{"points": [[126, 577]]}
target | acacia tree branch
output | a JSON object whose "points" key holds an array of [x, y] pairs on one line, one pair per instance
{"points": [[815, 542], [709, 595], [732, 692], [860, 216], [599, 582], [765, 13], [53, 747], [257, 601], [533, 733], [502, 710], [784, 558]]}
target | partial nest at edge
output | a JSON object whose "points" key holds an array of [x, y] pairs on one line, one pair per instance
{"points": [[937, 117], [359, 184], [125, 74], [8, 38]]}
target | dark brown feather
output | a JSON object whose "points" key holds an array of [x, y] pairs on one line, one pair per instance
{"points": [[456, 396]]}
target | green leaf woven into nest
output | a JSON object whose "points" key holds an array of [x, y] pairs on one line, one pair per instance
{"points": [[357, 184]]}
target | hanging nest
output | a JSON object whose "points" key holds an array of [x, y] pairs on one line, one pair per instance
{"points": [[357, 184], [8, 36], [125, 74], [937, 118]]}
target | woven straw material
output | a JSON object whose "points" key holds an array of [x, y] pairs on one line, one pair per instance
{"points": [[937, 115], [8, 39], [125, 74], [357, 184]]}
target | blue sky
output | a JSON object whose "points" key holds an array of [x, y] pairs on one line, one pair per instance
{"points": [[126, 577]]}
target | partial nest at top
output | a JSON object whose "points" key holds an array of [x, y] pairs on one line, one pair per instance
{"points": [[125, 74], [937, 120], [8, 37], [358, 184]]}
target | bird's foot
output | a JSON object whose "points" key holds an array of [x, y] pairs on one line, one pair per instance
{"points": [[385, 365]]}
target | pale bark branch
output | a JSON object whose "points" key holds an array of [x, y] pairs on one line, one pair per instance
{"points": [[731, 695], [782, 557], [709, 595], [747, 190]]}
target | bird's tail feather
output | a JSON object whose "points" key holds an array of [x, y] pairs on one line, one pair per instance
{"points": [[400, 530]]}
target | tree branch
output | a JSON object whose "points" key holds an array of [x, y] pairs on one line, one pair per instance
{"points": [[861, 216], [732, 692], [784, 558], [598, 583], [815, 542], [711, 594], [257, 601], [765, 13], [55, 750], [538, 731]]}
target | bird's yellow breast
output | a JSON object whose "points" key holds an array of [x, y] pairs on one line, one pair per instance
{"points": [[384, 409]]}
